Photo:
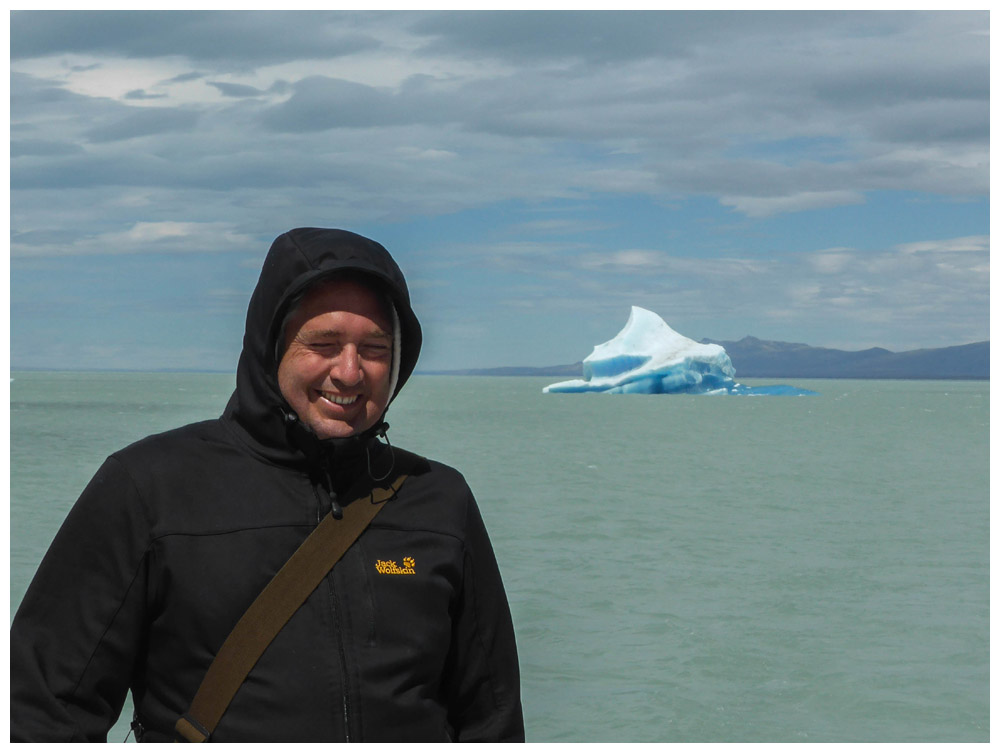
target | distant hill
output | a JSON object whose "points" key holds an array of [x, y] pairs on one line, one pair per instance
{"points": [[769, 358], [752, 357]]}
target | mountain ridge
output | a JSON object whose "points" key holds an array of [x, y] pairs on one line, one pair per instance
{"points": [[753, 357]]}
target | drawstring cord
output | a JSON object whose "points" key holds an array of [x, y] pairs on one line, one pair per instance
{"points": [[392, 455], [135, 728], [380, 431]]}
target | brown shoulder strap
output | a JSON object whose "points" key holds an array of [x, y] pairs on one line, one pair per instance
{"points": [[275, 605]]}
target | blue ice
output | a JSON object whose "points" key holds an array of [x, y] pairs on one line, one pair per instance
{"points": [[648, 357]]}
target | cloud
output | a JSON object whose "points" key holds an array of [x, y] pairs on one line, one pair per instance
{"points": [[146, 122], [602, 37], [976, 244], [183, 78], [565, 163], [548, 35], [679, 114], [831, 261], [42, 148], [235, 90], [930, 288], [645, 261], [209, 36], [564, 226], [29, 93], [142, 94], [425, 155], [319, 103], [766, 206], [140, 238]]}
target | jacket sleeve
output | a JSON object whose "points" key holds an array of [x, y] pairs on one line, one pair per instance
{"points": [[74, 638], [483, 677]]}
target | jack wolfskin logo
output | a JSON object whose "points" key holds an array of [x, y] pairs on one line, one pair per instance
{"points": [[389, 567]]}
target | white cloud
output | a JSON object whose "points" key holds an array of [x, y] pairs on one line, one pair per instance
{"points": [[978, 244], [836, 293], [831, 260], [629, 259], [141, 237], [645, 261], [562, 226], [150, 232], [767, 206], [425, 155]]}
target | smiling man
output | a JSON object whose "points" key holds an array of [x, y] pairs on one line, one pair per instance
{"points": [[336, 368], [407, 638]]}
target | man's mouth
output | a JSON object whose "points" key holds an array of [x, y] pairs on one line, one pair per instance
{"points": [[340, 399]]}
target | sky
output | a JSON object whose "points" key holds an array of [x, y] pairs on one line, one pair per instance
{"points": [[814, 177]]}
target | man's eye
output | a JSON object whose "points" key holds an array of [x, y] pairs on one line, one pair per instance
{"points": [[375, 350]]}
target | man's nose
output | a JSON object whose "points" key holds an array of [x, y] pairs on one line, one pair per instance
{"points": [[346, 367]]}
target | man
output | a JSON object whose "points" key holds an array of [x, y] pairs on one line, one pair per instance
{"points": [[407, 638]]}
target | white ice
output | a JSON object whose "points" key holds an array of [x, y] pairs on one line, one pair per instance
{"points": [[649, 357]]}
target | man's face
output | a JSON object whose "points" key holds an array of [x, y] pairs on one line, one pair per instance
{"points": [[338, 359]]}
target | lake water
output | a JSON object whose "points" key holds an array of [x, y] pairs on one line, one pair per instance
{"points": [[680, 568]]}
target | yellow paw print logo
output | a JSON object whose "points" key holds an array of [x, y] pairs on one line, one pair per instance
{"points": [[408, 562]]}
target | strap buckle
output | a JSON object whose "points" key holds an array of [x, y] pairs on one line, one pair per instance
{"points": [[190, 730]]}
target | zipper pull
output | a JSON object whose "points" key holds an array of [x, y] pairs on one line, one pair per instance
{"points": [[335, 509]]}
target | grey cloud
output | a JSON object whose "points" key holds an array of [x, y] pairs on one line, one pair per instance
{"points": [[704, 104], [320, 103], [43, 110], [146, 122], [592, 35], [211, 166], [130, 168], [605, 36], [242, 37], [930, 121], [44, 237], [87, 170], [42, 148], [902, 81], [235, 90], [139, 94], [760, 125], [183, 78], [517, 35], [28, 91]]}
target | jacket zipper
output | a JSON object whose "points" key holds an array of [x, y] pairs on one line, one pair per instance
{"points": [[343, 663], [337, 513]]}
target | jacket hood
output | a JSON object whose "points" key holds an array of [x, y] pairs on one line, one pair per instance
{"points": [[297, 260]]}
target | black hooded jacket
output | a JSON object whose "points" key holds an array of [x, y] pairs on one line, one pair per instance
{"points": [[409, 638]]}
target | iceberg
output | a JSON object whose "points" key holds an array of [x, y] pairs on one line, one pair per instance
{"points": [[648, 357]]}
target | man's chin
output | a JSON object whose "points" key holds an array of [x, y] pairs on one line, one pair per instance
{"points": [[339, 432], [339, 429]]}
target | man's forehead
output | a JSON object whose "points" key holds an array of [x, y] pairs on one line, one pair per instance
{"points": [[319, 330], [347, 293]]}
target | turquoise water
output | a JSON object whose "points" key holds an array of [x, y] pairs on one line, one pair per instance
{"points": [[680, 568]]}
